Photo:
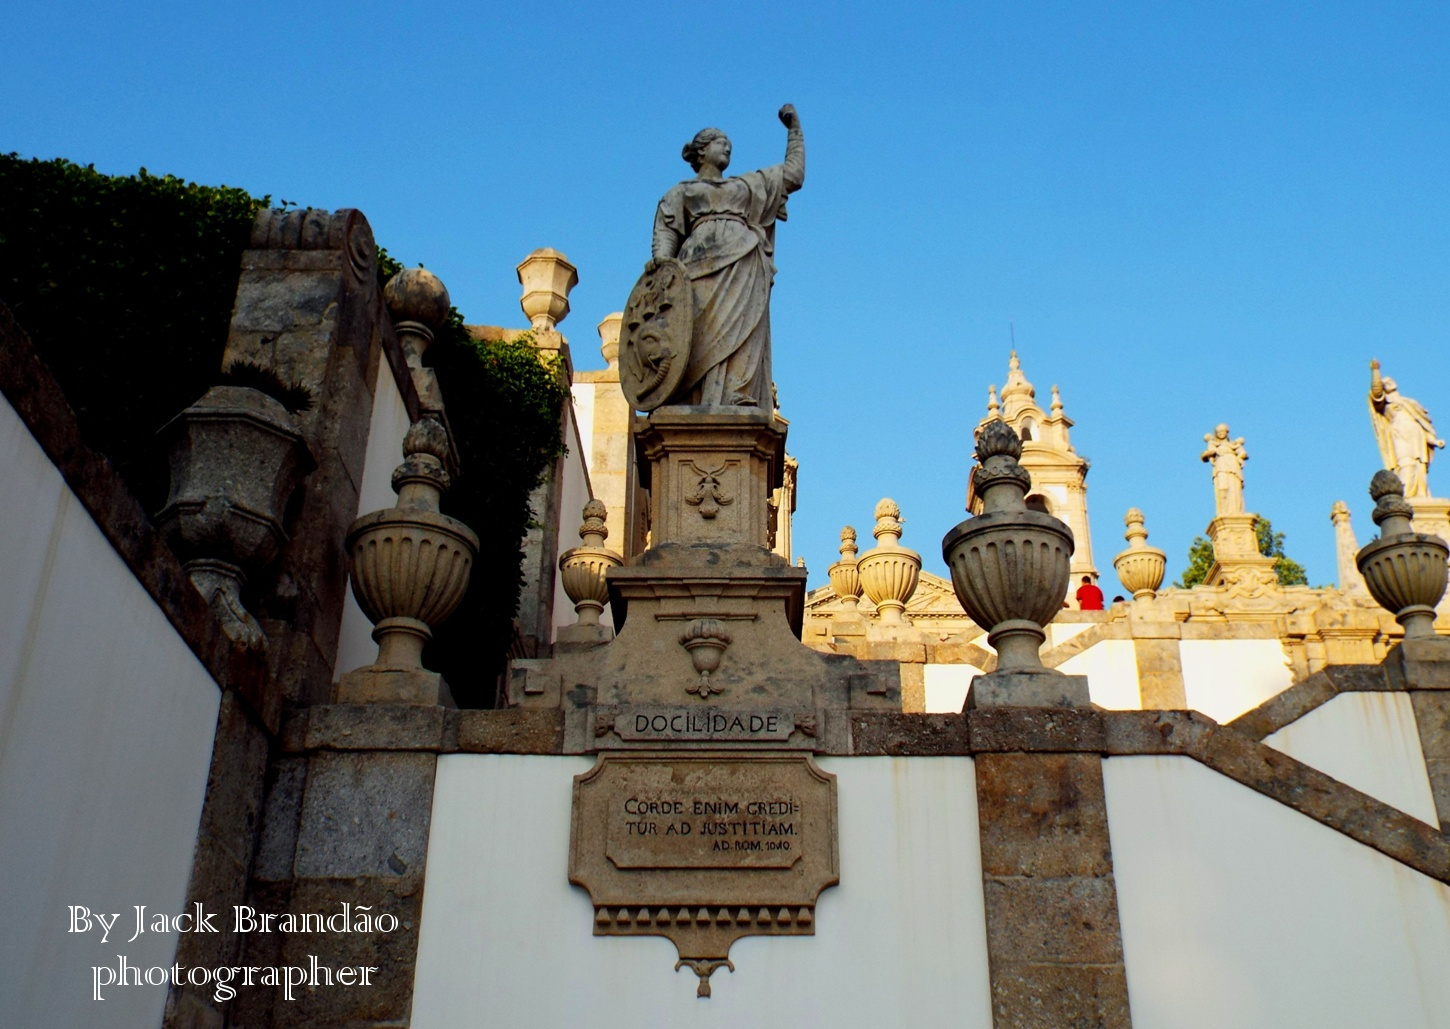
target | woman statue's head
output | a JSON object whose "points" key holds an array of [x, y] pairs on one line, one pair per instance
{"points": [[719, 154]]}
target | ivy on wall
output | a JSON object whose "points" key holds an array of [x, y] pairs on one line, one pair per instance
{"points": [[126, 285], [504, 405]]}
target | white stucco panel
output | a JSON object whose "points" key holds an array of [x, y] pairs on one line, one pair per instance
{"points": [[1368, 741], [506, 941], [1240, 912], [1225, 678], [106, 728], [946, 687], [1112, 670]]}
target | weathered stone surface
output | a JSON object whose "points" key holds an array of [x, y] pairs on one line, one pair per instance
{"points": [[1160, 674], [389, 997], [1028, 688], [1286, 707], [277, 844], [1036, 729], [376, 727], [1052, 996], [365, 814], [1432, 718], [1420, 664], [512, 731], [1042, 815], [1072, 920], [1156, 732], [874, 733]]}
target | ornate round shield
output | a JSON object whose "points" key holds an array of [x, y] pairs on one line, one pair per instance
{"points": [[654, 339]]}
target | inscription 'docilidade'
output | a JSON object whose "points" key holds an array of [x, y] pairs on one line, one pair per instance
{"points": [[677, 724]]}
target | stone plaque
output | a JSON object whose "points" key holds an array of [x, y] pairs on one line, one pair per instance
{"points": [[704, 847], [703, 725]]}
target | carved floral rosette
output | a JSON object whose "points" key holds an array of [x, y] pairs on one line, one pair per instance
{"points": [[1010, 565]]}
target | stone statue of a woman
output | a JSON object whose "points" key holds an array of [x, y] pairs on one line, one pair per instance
{"points": [[718, 235]]}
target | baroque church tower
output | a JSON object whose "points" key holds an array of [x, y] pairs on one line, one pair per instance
{"points": [[1059, 474]]}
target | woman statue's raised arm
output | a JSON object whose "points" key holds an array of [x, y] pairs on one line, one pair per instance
{"points": [[795, 149]]}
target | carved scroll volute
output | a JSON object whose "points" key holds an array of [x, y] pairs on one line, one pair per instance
{"points": [[584, 568], [1140, 568], [1404, 570], [845, 574], [889, 572]]}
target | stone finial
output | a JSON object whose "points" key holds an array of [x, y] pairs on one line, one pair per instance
{"points": [[410, 568], [1016, 391], [1056, 403], [547, 277], [417, 295], [1404, 570], [584, 570], [236, 455], [844, 574], [1010, 565], [1140, 568], [609, 338], [889, 572], [1345, 548], [994, 407]]}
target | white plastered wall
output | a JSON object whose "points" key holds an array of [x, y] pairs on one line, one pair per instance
{"points": [[1240, 912], [1368, 741], [1112, 670], [1225, 678], [388, 426], [106, 728], [506, 941]]}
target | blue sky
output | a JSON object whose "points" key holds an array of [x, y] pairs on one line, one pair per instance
{"points": [[1191, 213]]}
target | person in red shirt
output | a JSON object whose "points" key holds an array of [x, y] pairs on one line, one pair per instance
{"points": [[1089, 597]]}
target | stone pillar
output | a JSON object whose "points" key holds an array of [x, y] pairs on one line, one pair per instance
{"points": [[1160, 666], [1054, 943], [309, 309], [1345, 547]]}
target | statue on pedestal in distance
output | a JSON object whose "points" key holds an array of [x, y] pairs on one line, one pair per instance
{"points": [[1402, 428], [1227, 457], [697, 325]]}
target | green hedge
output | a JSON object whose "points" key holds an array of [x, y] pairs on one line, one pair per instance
{"points": [[504, 406], [126, 286]]}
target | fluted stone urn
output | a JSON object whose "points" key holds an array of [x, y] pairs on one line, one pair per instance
{"points": [[583, 570], [410, 569], [1404, 570], [845, 575], [1140, 568], [1010, 565], [236, 456], [889, 572]]}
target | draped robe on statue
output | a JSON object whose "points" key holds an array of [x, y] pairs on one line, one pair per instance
{"points": [[724, 233]]}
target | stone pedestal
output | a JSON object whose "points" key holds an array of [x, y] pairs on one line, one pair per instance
{"points": [[710, 473], [1236, 557], [1028, 688], [1432, 515]]}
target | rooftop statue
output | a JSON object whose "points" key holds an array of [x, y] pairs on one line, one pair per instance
{"points": [[1227, 457], [1402, 428], [697, 325]]}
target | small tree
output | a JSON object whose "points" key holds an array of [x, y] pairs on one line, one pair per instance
{"points": [[1200, 560], [1271, 544]]}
